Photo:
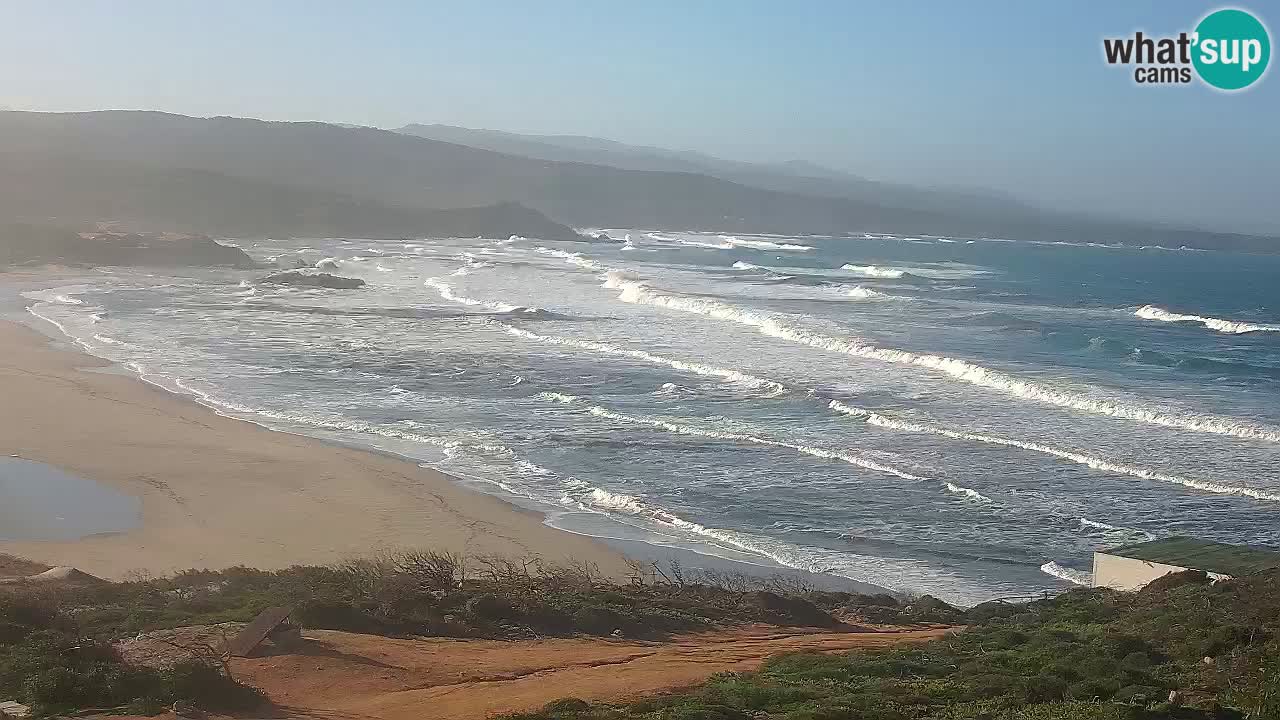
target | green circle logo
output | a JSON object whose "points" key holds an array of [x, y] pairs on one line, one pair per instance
{"points": [[1232, 49]]}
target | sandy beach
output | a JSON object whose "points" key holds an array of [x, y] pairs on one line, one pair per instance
{"points": [[218, 492]]}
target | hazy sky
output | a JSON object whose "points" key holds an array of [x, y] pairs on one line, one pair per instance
{"points": [[1012, 96]]}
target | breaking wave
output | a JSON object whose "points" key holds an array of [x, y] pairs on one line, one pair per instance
{"points": [[878, 420], [446, 292], [505, 309], [873, 271], [50, 296], [1231, 327], [763, 244], [571, 258], [864, 568], [826, 454], [862, 293], [733, 376], [968, 492], [682, 429], [637, 292], [730, 242], [1071, 575]]}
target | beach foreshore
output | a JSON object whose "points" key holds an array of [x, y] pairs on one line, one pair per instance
{"points": [[218, 492]]}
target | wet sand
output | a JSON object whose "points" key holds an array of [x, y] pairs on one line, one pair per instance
{"points": [[217, 492]]}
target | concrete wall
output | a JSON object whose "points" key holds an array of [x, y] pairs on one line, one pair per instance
{"points": [[1124, 573]]}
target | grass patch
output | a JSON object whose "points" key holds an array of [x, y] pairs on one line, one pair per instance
{"points": [[1181, 649]]}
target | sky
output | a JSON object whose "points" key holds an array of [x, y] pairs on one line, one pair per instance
{"points": [[1010, 96]]}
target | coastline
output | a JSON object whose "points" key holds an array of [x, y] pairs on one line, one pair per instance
{"points": [[299, 476], [217, 492]]}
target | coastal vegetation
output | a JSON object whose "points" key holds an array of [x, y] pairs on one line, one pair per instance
{"points": [[1182, 648]]}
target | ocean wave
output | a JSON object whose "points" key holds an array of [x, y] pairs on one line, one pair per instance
{"points": [[730, 242], [1071, 575], [637, 292], [878, 420], [1230, 327], [967, 492], [522, 312], [771, 387], [446, 291], [50, 296], [109, 340], [746, 266], [571, 258], [674, 389], [861, 293], [885, 572], [1120, 534], [557, 397], [683, 429], [329, 263], [873, 271], [763, 244]]}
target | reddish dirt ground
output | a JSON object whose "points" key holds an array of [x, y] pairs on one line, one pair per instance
{"points": [[363, 677]]}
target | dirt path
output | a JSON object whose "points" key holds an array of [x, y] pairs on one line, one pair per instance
{"points": [[343, 675]]}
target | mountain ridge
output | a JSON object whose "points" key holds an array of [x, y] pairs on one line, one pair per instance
{"points": [[387, 172]]}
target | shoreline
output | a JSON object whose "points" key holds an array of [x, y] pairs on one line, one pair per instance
{"points": [[217, 491], [511, 522]]}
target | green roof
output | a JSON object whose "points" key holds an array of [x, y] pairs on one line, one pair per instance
{"points": [[1221, 558]]}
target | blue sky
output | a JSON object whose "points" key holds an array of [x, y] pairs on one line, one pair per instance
{"points": [[1012, 96]]}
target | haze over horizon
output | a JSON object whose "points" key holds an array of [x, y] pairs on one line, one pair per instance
{"points": [[998, 103]]}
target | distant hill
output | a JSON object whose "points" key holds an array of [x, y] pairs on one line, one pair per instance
{"points": [[794, 176], [314, 177], [41, 187]]}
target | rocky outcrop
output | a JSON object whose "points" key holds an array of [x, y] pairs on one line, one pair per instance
{"points": [[304, 279], [41, 245]]}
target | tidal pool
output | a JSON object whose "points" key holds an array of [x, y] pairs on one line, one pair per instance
{"points": [[41, 502]]}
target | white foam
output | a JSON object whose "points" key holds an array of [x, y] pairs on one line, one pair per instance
{"points": [[1124, 534], [50, 296], [1077, 577], [1086, 522], [1231, 327], [878, 420], [446, 292], [571, 258], [330, 263], [746, 266], [862, 293], [769, 386], [873, 271], [885, 572], [557, 397], [967, 492], [763, 244], [777, 326], [682, 429]]}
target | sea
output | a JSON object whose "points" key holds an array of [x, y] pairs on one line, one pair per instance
{"points": [[966, 417]]}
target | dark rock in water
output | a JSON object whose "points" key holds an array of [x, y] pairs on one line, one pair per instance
{"points": [[301, 279]]}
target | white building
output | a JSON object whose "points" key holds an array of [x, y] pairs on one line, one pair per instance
{"points": [[1133, 566]]}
